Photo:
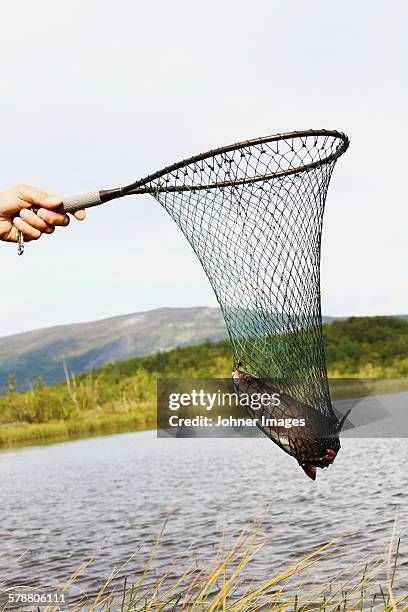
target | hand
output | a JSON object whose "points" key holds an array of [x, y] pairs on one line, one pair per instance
{"points": [[16, 216]]}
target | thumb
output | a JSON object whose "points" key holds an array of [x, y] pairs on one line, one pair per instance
{"points": [[28, 194]]}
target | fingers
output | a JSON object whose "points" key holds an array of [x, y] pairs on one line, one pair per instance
{"points": [[52, 218], [33, 225], [29, 232], [43, 221], [80, 215], [37, 222]]}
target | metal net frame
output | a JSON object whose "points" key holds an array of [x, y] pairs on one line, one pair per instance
{"points": [[253, 214]]}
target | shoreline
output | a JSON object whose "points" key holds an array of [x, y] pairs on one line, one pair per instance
{"points": [[19, 436]]}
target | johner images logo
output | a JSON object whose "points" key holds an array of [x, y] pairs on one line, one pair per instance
{"points": [[207, 409]]}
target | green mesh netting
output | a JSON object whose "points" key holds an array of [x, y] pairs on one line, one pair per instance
{"points": [[253, 215]]}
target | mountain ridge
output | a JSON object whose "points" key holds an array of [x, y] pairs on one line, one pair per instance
{"points": [[84, 346]]}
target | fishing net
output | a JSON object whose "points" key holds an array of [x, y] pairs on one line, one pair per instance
{"points": [[253, 215]]}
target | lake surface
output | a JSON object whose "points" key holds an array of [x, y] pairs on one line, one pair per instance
{"points": [[107, 496]]}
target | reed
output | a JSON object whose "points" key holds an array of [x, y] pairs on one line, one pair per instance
{"points": [[227, 583]]}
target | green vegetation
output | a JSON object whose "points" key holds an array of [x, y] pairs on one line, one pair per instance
{"points": [[367, 347], [122, 396]]}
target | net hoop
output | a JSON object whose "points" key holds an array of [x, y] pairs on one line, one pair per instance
{"points": [[145, 185]]}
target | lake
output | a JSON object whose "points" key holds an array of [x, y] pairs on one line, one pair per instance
{"points": [[107, 496]]}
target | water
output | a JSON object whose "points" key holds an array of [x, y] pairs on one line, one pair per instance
{"points": [[107, 496]]}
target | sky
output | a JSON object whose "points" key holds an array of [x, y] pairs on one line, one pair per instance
{"points": [[96, 94]]}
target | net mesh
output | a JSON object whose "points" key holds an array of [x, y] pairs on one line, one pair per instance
{"points": [[253, 216]]}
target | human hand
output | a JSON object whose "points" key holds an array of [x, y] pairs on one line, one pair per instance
{"points": [[16, 216]]}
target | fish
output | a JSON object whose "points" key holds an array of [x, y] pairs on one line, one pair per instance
{"points": [[302, 442]]}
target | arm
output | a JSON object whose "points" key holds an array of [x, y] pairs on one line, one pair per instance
{"points": [[16, 216]]}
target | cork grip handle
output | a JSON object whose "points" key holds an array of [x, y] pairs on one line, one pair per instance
{"points": [[84, 200]]}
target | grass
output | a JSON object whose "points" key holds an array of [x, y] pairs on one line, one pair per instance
{"points": [[16, 434], [227, 583]]}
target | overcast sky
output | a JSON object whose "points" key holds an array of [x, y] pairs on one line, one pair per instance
{"points": [[94, 94]]}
